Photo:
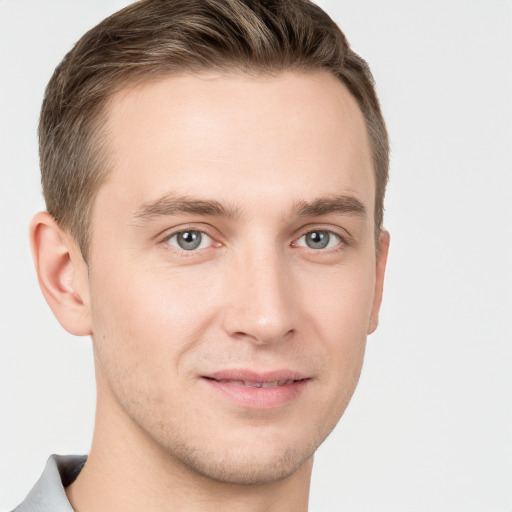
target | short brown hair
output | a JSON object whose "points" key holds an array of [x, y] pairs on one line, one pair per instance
{"points": [[151, 38]]}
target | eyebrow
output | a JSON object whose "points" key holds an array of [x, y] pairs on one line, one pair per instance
{"points": [[342, 204], [172, 204]]}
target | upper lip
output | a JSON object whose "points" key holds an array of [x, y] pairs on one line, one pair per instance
{"points": [[254, 376]]}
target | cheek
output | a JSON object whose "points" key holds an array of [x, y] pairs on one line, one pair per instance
{"points": [[340, 300], [144, 321], [342, 306]]}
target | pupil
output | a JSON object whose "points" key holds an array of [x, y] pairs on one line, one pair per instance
{"points": [[317, 239], [189, 240]]}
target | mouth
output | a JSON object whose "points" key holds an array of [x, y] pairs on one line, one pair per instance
{"points": [[254, 390], [258, 384]]}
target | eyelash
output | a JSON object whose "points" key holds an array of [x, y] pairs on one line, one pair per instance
{"points": [[343, 241], [184, 252]]}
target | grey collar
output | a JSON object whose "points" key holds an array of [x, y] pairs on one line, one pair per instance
{"points": [[48, 494]]}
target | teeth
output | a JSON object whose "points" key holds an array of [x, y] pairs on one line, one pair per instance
{"points": [[250, 384]]}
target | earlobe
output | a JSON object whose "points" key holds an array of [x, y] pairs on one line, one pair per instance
{"points": [[380, 270], [62, 274]]}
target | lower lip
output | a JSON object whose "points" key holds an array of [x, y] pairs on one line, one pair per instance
{"points": [[258, 398]]}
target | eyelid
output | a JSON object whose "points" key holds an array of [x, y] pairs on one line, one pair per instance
{"points": [[205, 239], [344, 236], [167, 234], [200, 227], [325, 249]]}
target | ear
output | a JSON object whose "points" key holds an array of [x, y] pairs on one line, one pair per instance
{"points": [[62, 274], [380, 269]]}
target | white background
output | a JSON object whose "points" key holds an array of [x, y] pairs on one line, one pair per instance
{"points": [[430, 426]]}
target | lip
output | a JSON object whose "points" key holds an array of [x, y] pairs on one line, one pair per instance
{"points": [[257, 390]]}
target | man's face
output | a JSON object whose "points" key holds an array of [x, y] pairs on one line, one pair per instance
{"points": [[233, 269]]}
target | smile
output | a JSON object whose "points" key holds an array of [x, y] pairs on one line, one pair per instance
{"points": [[252, 390]]}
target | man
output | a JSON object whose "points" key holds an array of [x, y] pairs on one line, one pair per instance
{"points": [[214, 173]]}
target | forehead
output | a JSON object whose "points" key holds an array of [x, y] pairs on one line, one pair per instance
{"points": [[240, 138]]}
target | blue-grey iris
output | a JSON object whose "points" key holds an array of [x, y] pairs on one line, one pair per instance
{"points": [[317, 239], [189, 240]]}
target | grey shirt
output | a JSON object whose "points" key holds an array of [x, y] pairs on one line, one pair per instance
{"points": [[48, 495]]}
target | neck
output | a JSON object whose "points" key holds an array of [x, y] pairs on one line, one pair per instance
{"points": [[127, 471]]}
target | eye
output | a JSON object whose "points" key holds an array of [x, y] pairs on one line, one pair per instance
{"points": [[189, 240], [319, 239]]}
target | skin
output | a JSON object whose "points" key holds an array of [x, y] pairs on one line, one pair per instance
{"points": [[254, 296]]}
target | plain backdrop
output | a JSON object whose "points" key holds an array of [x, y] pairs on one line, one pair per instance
{"points": [[430, 425]]}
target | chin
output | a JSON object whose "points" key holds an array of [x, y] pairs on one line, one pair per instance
{"points": [[242, 468], [243, 461]]}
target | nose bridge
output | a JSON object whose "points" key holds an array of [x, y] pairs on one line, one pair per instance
{"points": [[260, 305]]}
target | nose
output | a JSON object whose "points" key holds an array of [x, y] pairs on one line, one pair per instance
{"points": [[259, 296]]}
